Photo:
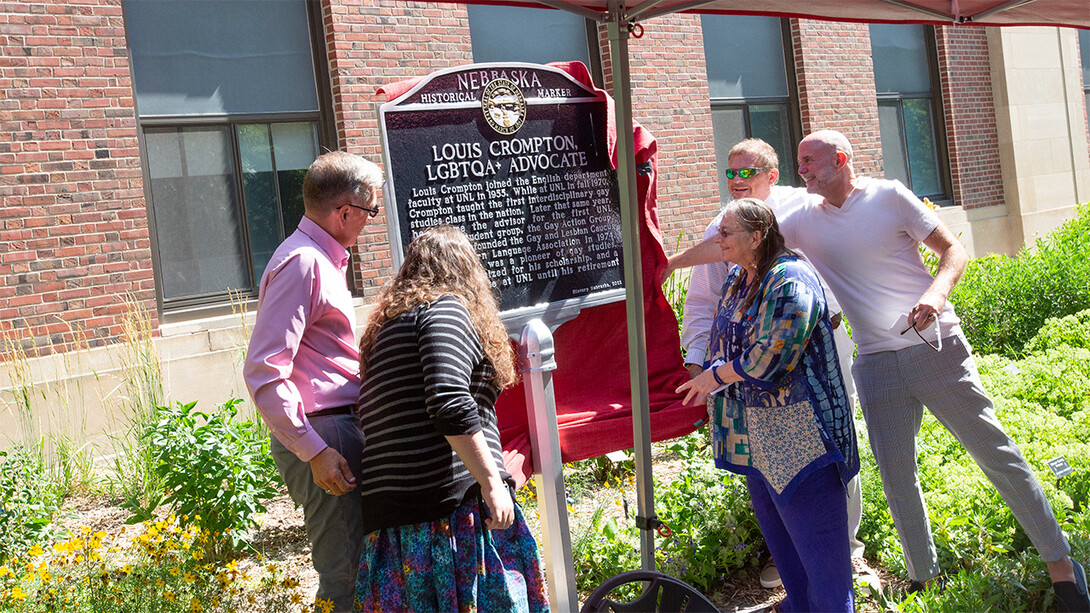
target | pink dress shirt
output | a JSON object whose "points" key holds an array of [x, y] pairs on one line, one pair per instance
{"points": [[303, 356]]}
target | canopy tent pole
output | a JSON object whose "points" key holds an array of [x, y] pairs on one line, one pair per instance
{"points": [[617, 25]]}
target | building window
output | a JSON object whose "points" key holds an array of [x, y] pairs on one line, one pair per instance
{"points": [[538, 36], [230, 116], [750, 86], [1084, 51], [909, 113]]}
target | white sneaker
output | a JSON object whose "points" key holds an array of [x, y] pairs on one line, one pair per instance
{"points": [[770, 577]]}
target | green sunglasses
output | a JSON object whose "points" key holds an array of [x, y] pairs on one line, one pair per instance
{"points": [[745, 173]]}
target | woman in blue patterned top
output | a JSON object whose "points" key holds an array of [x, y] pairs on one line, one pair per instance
{"points": [[779, 411]]}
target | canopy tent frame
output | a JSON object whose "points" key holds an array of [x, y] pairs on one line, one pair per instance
{"points": [[620, 23]]}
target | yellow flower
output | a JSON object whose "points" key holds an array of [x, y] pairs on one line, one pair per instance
{"points": [[296, 598], [169, 596], [36, 550], [127, 569], [175, 571], [291, 583], [189, 577], [324, 604], [195, 604], [5, 571], [17, 593]]}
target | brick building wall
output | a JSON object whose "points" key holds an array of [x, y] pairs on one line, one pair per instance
{"points": [[971, 134], [74, 237], [371, 43], [835, 78], [670, 98], [73, 226]]}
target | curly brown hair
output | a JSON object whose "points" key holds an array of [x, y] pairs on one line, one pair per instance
{"points": [[442, 261]]}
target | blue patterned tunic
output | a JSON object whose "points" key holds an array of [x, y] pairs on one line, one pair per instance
{"points": [[789, 416]]}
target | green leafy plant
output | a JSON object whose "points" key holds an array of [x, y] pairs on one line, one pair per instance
{"points": [[217, 471], [603, 548], [989, 563], [713, 529], [1004, 301], [710, 529], [676, 287], [28, 500]]}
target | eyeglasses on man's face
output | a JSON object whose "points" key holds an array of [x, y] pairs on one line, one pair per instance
{"points": [[370, 210], [745, 173]]}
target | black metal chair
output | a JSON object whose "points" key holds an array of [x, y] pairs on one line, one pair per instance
{"points": [[663, 594]]}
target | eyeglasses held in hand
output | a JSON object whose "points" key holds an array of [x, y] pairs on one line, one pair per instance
{"points": [[913, 328], [371, 211], [745, 173]]}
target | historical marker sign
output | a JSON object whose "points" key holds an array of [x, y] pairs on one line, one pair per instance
{"points": [[516, 155]]}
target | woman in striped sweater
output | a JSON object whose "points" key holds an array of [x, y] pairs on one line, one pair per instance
{"points": [[443, 532]]}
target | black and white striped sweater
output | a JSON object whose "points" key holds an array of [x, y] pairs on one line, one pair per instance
{"points": [[427, 378]]}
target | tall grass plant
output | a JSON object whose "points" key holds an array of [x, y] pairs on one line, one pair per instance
{"points": [[132, 404]]}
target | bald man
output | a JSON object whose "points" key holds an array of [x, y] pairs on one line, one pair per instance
{"points": [[863, 237]]}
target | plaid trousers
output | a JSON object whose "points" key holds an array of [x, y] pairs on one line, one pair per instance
{"points": [[893, 387]]}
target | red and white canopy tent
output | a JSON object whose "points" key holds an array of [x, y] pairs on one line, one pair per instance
{"points": [[621, 19]]}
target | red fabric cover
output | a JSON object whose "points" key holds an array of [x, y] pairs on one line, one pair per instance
{"points": [[591, 383]]}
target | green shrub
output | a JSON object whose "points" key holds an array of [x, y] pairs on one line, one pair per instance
{"points": [[1004, 301], [602, 549], [28, 501], [217, 471], [1071, 331], [1043, 402], [712, 528]]}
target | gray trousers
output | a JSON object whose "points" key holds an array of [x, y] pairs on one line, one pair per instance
{"points": [[334, 524], [894, 386]]}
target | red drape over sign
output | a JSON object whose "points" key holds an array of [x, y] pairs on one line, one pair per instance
{"points": [[591, 383]]}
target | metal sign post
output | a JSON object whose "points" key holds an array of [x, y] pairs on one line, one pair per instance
{"points": [[536, 363]]}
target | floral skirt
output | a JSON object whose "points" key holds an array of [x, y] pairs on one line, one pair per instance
{"points": [[452, 564]]}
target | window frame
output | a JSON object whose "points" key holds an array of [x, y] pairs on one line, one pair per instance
{"points": [[223, 301], [938, 120], [594, 47], [791, 102]]}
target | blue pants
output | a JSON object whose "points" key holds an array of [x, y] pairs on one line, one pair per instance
{"points": [[808, 538]]}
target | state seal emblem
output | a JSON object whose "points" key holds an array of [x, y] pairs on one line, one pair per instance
{"points": [[503, 105]]}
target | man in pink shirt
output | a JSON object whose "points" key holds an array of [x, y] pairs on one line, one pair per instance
{"points": [[302, 366]]}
